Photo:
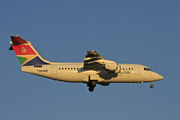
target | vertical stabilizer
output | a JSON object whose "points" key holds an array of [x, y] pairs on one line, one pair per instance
{"points": [[26, 53]]}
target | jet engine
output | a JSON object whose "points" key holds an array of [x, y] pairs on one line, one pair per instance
{"points": [[111, 66]]}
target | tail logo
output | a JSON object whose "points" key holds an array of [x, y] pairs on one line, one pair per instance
{"points": [[26, 53], [23, 50]]}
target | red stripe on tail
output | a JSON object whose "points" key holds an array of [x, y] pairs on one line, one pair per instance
{"points": [[23, 50]]}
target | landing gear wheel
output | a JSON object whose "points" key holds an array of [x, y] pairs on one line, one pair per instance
{"points": [[151, 86], [91, 89], [93, 83]]}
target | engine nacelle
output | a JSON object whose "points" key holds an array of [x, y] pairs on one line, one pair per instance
{"points": [[112, 66]]}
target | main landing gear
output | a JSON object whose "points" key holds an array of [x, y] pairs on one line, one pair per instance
{"points": [[92, 84]]}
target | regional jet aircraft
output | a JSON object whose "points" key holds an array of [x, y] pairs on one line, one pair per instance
{"points": [[94, 70]]}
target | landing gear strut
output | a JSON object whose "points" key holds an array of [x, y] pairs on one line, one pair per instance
{"points": [[91, 84]]}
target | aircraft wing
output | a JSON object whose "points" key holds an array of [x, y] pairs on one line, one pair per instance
{"points": [[92, 57], [94, 60]]}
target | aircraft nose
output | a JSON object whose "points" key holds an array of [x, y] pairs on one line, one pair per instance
{"points": [[159, 77]]}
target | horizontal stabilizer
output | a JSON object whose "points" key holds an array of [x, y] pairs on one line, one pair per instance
{"points": [[11, 48]]}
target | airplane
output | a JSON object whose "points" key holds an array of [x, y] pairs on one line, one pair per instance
{"points": [[94, 70]]}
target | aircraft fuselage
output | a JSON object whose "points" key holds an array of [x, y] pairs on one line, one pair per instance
{"points": [[75, 72]]}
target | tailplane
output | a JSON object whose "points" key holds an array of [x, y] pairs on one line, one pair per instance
{"points": [[26, 53]]}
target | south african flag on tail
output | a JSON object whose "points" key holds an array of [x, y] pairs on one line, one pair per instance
{"points": [[26, 53]]}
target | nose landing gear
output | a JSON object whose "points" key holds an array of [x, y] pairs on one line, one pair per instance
{"points": [[151, 86]]}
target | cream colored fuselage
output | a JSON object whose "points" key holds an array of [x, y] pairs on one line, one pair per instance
{"points": [[75, 72]]}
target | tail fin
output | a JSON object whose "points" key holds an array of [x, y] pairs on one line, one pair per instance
{"points": [[26, 53]]}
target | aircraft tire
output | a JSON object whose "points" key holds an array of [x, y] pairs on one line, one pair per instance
{"points": [[151, 86], [93, 83], [91, 89]]}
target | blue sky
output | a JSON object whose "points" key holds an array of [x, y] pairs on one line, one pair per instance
{"points": [[142, 32]]}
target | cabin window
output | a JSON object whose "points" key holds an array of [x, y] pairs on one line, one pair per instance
{"points": [[59, 68], [132, 68], [62, 68]]}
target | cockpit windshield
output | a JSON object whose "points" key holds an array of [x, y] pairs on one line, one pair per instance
{"points": [[147, 69]]}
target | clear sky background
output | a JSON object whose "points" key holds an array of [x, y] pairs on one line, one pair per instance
{"points": [[126, 31]]}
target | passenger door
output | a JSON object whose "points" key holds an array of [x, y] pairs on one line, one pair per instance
{"points": [[54, 70], [137, 69]]}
